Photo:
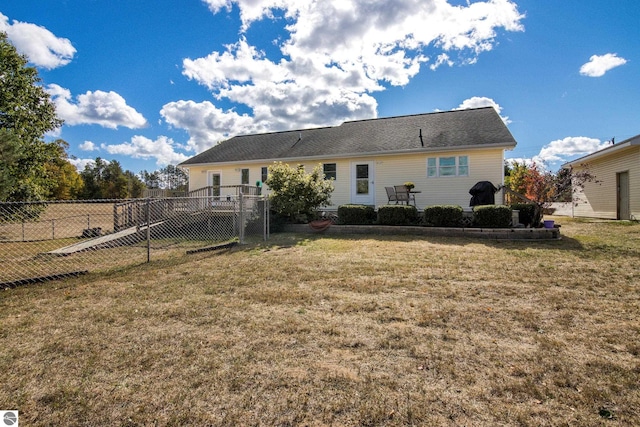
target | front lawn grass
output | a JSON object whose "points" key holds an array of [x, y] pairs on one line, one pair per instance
{"points": [[339, 330]]}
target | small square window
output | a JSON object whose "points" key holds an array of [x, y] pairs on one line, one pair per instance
{"points": [[330, 171]]}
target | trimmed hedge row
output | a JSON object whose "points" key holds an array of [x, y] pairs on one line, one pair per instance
{"points": [[397, 215], [443, 216], [490, 216], [356, 215]]}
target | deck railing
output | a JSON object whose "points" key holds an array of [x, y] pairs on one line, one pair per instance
{"points": [[225, 191], [139, 212], [163, 192], [212, 190]]}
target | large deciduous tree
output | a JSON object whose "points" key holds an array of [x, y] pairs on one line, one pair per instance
{"points": [[9, 153], [67, 182], [26, 115]]}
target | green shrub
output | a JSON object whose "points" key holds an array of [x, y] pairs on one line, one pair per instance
{"points": [[397, 215], [526, 214], [297, 195], [443, 216], [277, 222], [492, 216], [356, 214]]}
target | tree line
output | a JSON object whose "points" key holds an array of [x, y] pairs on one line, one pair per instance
{"points": [[32, 169]]}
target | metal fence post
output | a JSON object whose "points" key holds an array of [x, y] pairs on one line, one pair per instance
{"points": [[241, 225], [116, 223], [148, 219], [265, 215]]}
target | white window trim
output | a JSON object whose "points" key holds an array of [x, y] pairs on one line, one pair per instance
{"points": [[210, 173], [457, 167], [330, 163], [248, 176]]}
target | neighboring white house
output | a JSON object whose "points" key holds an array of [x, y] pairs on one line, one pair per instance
{"points": [[443, 153], [615, 192]]}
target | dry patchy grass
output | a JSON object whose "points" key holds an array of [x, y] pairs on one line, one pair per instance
{"points": [[353, 330]]}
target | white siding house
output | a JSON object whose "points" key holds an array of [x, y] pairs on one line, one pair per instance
{"points": [[443, 153], [615, 192]]}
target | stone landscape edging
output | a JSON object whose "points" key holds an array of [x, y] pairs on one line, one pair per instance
{"points": [[471, 232]]}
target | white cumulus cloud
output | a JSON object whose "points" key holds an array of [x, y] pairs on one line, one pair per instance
{"points": [[481, 101], [562, 150], [598, 65], [334, 55], [40, 45], [80, 164], [163, 150], [206, 123], [107, 109], [88, 146]]}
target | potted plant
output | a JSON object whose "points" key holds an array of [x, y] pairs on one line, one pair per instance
{"points": [[409, 185]]}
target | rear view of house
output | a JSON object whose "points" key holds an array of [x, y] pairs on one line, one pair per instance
{"points": [[615, 191], [443, 153]]}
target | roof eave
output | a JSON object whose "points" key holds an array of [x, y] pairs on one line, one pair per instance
{"points": [[505, 146]]}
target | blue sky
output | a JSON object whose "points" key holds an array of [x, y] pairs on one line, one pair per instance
{"points": [[150, 83]]}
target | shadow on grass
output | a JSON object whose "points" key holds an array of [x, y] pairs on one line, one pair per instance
{"points": [[288, 239]]}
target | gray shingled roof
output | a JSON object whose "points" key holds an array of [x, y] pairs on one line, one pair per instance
{"points": [[443, 130]]}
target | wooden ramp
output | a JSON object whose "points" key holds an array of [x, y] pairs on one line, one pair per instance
{"points": [[100, 241]]}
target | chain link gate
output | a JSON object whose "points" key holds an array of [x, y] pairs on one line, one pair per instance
{"points": [[48, 240]]}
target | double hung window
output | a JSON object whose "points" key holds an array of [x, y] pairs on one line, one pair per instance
{"points": [[447, 166]]}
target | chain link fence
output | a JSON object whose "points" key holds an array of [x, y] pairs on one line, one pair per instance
{"points": [[49, 240]]}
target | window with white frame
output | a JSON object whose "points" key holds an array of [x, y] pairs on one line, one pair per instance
{"points": [[244, 179], [447, 166], [330, 171]]}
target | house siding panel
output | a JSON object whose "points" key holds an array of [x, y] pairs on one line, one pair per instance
{"points": [[484, 165], [599, 199]]}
